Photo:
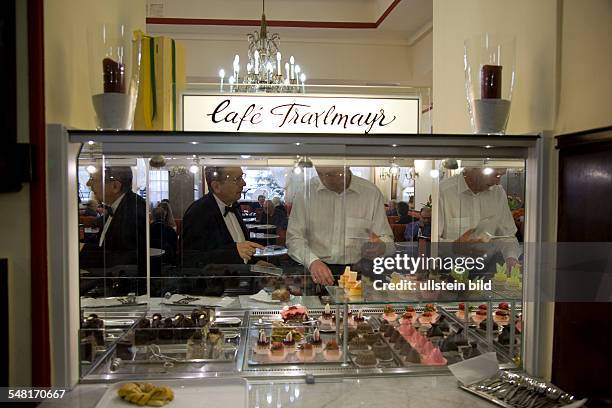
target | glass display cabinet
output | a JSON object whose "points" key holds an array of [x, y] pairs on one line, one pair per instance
{"points": [[366, 255]]}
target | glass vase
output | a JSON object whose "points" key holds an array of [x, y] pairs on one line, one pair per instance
{"points": [[114, 68], [489, 62]]}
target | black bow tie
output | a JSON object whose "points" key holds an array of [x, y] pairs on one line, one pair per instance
{"points": [[230, 208], [109, 210]]}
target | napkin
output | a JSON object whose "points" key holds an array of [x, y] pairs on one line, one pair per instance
{"points": [[475, 369], [189, 300], [111, 301]]}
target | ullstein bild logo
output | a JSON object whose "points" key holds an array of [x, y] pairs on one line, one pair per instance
{"points": [[299, 114]]}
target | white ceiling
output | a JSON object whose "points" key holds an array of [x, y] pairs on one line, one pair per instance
{"points": [[407, 21]]}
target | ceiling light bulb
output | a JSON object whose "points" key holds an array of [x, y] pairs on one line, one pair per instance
{"points": [[297, 170], [91, 169], [193, 169], [91, 142], [434, 173], [245, 156], [487, 171]]}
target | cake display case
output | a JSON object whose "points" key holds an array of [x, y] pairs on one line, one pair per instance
{"points": [[159, 309]]}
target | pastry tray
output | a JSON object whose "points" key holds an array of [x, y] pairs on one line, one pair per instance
{"points": [[506, 404], [176, 353]]}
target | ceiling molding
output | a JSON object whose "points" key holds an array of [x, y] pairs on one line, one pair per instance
{"points": [[421, 32], [399, 42], [275, 23]]}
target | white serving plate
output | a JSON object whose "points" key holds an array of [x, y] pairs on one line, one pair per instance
{"points": [[190, 393]]}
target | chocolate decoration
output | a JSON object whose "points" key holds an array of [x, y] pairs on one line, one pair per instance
{"points": [[114, 76], [490, 81]]}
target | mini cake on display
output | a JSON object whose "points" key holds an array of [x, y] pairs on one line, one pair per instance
{"points": [[435, 331], [407, 318], [501, 316], [382, 351], [142, 333], [371, 338], [294, 314], [389, 330], [483, 326], [435, 357], [426, 317], [96, 328], [366, 359], [345, 277], [332, 351], [461, 312], [356, 290], [479, 315], [315, 341], [363, 328], [395, 336], [263, 342], [289, 342], [409, 310], [389, 314], [405, 349], [359, 318], [500, 277], [413, 357], [327, 318], [277, 352], [358, 344], [443, 324], [305, 352]]}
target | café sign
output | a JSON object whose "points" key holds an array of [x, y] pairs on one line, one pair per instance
{"points": [[300, 114]]}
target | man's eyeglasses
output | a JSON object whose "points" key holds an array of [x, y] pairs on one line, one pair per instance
{"points": [[235, 180]]}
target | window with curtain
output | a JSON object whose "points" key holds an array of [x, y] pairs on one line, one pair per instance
{"points": [[158, 186]]}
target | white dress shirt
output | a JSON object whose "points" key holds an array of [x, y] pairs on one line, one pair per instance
{"points": [[460, 209], [333, 227], [233, 226], [114, 206]]}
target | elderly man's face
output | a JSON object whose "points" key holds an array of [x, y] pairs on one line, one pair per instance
{"points": [[334, 178], [480, 180], [228, 186], [106, 192]]}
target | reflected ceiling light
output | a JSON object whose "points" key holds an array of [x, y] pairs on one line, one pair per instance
{"points": [[245, 156], [195, 167], [194, 143], [90, 142], [487, 171], [91, 169], [434, 173], [264, 67]]}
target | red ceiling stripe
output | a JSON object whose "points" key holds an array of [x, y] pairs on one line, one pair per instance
{"points": [[274, 23], [256, 23]]}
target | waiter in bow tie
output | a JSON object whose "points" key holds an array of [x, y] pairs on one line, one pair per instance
{"points": [[213, 230]]}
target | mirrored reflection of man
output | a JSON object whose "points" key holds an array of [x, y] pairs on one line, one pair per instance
{"points": [[119, 251], [332, 221], [213, 231], [473, 209]]}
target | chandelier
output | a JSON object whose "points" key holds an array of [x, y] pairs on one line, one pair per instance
{"points": [[264, 68]]}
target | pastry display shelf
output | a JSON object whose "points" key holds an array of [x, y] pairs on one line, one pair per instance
{"points": [[370, 296]]}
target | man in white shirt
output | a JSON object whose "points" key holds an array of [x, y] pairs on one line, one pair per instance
{"points": [[473, 208], [330, 223]]}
